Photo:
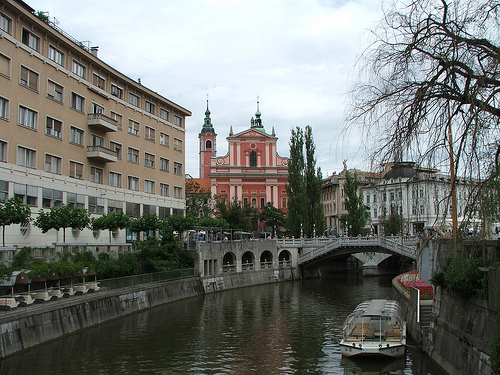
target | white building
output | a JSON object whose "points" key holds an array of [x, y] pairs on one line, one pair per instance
{"points": [[421, 196]]}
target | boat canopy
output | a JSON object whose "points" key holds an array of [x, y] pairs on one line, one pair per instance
{"points": [[377, 308]]}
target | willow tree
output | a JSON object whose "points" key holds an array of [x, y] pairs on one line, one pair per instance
{"points": [[429, 87]]}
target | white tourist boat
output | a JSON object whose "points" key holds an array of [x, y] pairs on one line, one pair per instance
{"points": [[374, 328]]}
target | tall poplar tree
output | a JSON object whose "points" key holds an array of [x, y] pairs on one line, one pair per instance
{"points": [[356, 218], [305, 211]]}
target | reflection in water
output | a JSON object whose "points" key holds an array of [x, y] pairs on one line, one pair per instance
{"points": [[285, 328]]}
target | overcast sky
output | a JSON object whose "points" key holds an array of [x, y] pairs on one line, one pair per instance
{"points": [[296, 55]]}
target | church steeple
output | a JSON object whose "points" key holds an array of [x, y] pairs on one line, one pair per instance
{"points": [[207, 124], [257, 123]]}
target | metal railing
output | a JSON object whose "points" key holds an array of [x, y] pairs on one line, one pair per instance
{"points": [[128, 281]]}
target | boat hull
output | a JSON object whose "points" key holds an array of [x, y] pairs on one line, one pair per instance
{"points": [[392, 350]]}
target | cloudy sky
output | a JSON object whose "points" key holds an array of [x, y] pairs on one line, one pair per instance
{"points": [[297, 56]]}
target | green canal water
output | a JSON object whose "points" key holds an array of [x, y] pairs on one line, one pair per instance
{"points": [[285, 328]]}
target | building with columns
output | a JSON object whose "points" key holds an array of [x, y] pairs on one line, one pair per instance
{"points": [[251, 172]]}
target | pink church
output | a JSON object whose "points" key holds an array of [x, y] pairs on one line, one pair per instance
{"points": [[251, 171]]}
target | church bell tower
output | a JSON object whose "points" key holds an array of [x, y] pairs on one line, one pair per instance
{"points": [[208, 147]]}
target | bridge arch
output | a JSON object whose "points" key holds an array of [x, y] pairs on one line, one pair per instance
{"points": [[229, 262], [285, 258], [248, 261], [266, 259]]}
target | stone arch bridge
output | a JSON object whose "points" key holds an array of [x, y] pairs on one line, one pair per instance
{"points": [[371, 251]]}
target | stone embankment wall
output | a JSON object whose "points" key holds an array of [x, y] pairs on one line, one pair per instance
{"points": [[24, 328], [462, 333], [243, 279]]}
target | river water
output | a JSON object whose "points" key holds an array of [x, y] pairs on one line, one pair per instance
{"points": [[283, 328]]}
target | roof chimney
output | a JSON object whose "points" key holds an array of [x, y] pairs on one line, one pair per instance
{"points": [[94, 50]]}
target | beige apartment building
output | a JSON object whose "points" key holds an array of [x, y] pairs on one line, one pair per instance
{"points": [[75, 131]]}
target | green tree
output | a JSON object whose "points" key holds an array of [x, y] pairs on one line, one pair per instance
{"points": [[13, 211], [356, 218], [296, 187], [63, 217], [274, 218], [305, 211], [199, 202], [394, 224], [314, 186], [237, 215], [112, 221]]}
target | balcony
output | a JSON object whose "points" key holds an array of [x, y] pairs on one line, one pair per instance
{"points": [[100, 153], [102, 122]]}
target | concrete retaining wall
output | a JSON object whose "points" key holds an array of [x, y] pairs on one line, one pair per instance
{"points": [[36, 324]]}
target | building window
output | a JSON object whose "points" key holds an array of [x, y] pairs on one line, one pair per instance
{"points": [[118, 118], [262, 202], [164, 114], [164, 165], [26, 193], [133, 183], [76, 170], [75, 200], [77, 102], [164, 190], [28, 78], [253, 159], [96, 108], [149, 186], [208, 144], [56, 55], [28, 117], [178, 121], [31, 40], [54, 91], [115, 179], [5, 24], [177, 168], [114, 206], [98, 81], [117, 148], [78, 69], [150, 107], [26, 157], [53, 164], [149, 134], [283, 202], [116, 91], [3, 154], [96, 205], [96, 175], [133, 127], [52, 198], [177, 192], [133, 155], [149, 160], [76, 136], [164, 140], [96, 140], [4, 108], [177, 144], [134, 99], [5, 66], [53, 127]]}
